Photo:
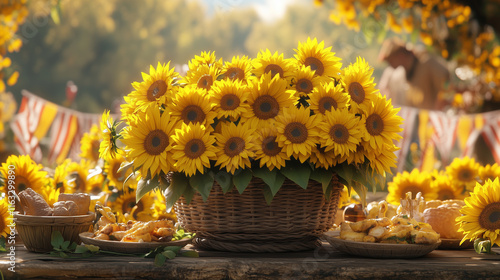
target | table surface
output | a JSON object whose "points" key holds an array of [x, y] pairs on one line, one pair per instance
{"points": [[323, 263]]}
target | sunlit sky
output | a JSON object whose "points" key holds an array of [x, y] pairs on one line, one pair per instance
{"points": [[268, 10]]}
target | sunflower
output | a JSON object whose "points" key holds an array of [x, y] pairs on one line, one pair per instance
{"points": [[480, 215], [77, 176], [320, 59], [340, 132], [358, 82], [202, 77], [193, 149], [235, 146], [4, 218], [268, 152], [160, 208], [489, 172], [26, 173], [108, 147], [383, 160], [192, 105], [238, 69], [298, 132], [328, 96], [155, 87], [274, 64], [382, 123], [230, 99], [125, 203], [206, 58], [413, 182], [95, 184], [50, 194], [59, 180], [360, 155], [90, 144], [268, 96], [325, 159], [443, 186], [127, 109], [149, 142], [304, 81], [464, 173], [116, 178]]}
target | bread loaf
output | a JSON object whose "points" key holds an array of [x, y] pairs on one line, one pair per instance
{"points": [[65, 208], [82, 200], [33, 204]]}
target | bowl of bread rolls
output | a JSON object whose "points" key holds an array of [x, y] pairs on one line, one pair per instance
{"points": [[37, 220]]}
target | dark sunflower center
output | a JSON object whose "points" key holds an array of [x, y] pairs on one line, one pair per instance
{"points": [[156, 142], [357, 92], [315, 65], [465, 175], [413, 189], [156, 90], [274, 69], [193, 113], [270, 147], [490, 216], [205, 82], [234, 73], [265, 107], [22, 183], [127, 205], [374, 124], [445, 194], [96, 189], [234, 146], [296, 132], [304, 85], [339, 134], [326, 103], [78, 181], [229, 102], [194, 148]]}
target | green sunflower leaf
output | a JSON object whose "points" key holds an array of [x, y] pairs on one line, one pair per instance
{"points": [[203, 183], [56, 239], [188, 194], [268, 195], [160, 259], [169, 254], [178, 185], [224, 179], [268, 176], [297, 172], [322, 176], [144, 186], [242, 178]]}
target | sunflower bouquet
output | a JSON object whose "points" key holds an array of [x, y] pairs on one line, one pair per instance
{"points": [[301, 118]]}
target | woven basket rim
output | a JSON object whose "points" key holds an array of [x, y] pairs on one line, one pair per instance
{"points": [[27, 219]]}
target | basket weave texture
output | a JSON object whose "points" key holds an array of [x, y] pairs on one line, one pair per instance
{"points": [[294, 220], [36, 231]]}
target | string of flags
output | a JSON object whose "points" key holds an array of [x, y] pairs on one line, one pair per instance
{"points": [[37, 116]]}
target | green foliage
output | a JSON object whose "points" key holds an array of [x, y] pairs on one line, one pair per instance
{"points": [[3, 247], [482, 245]]}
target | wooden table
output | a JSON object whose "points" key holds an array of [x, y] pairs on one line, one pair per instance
{"points": [[322, 263]]}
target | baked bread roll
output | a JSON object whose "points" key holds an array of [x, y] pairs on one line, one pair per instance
{"points": [[33, 204], [82, 200], [65, 208], [442, 220]]}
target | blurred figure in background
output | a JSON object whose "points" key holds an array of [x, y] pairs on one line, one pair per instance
{"points": [[414, 77]]}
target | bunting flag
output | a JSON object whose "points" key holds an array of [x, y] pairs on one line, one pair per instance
{"points": [[491, 134], [37, 116], [445, 134], [409, 115], [28, 126]]}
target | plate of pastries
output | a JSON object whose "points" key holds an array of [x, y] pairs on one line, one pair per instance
{"points": [[133, 236], [402, 235]]}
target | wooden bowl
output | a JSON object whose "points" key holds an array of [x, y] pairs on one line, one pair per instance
{"points": [[36, 231]]}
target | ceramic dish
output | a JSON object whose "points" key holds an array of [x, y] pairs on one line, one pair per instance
{"points": [[379, 250], [128, 247]]}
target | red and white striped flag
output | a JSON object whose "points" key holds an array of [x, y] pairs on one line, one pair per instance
{"points": [[444, 133], [62, 134], [491, 134], [409, 115]]}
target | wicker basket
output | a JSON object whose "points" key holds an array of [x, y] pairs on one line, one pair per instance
{"points": [[244, 222], [36, 231]]}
